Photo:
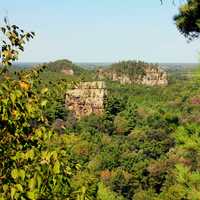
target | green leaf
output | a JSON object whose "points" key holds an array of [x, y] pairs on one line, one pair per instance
{"points": [[68, 170], [18, 93], [1, 92], [12, 97], [22, 174], [31, 184], [39, 181], [5, 188], [78, 166], [19, 187], [30, 154], [38, 133], [56, 168], [44, 90], [13, 192], [44, 103], [14, 173], [31, 195]]}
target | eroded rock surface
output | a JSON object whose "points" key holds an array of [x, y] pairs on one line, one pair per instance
{"points": [[86, 98]]}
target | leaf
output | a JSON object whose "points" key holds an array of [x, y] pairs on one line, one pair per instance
{"points": [[18, 156], [68, 170], [78, 166], [3, 30], [19, 187], [21, 174], [44, 103], [29, 108], [30, 154], [21, 48], [31, 195], [12, 97], [44, 90], [31, 184], [5, 188], [5, 20], [56, 168], [1, 92], [18, 93], [39, 181], [33, 33], [54, 155], [38, 133], [14, 173], [15, 27], [13, 192]]}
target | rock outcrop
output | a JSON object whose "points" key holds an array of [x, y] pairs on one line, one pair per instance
{"points": [[131, 73], [86, 98], [68, 72]]}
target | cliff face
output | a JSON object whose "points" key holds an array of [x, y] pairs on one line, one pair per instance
{"points": [[86, 98], [154, 76], [150, 76]]}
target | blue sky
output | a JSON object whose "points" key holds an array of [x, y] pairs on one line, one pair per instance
{"points": [[100, 30]]}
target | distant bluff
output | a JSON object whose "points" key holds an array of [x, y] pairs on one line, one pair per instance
{"points": [[134, 72], [64, 66]]}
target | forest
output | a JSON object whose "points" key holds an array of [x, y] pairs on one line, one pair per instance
{"points": [[144, 146]]}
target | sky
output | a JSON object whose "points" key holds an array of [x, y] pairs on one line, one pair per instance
{"points": [[100, 30]]}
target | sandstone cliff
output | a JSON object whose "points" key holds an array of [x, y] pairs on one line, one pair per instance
{"points": [[86, 98], [134, 72]]}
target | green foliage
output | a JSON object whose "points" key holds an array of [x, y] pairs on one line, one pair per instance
{"points": [[188, 19], [114, 105], [105, 193], [32, 166], [145, 195], [14, 41], [126, 120]]}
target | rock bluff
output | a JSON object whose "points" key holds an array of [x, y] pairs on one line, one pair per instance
{"points": [[148, 75]]}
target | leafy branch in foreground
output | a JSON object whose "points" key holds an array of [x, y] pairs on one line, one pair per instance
{"points": [[188, 19], [32, 165], [13, 42]]}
